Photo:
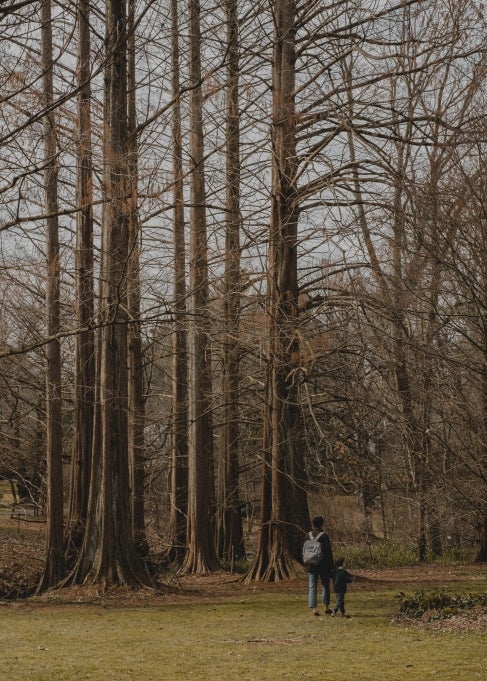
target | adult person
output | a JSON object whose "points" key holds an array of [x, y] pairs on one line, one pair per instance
{"points": [[323, 570]]}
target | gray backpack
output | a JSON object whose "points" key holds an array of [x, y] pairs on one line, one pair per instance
{"points": [[313, 550]]}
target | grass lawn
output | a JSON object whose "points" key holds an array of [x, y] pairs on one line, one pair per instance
{"points": [[263, 636]]}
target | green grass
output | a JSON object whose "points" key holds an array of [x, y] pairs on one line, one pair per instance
{"points": [[258, 637]]}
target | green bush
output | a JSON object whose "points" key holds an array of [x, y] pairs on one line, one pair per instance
{"points": [[438, 604]]}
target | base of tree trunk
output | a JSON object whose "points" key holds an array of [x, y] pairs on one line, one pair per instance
{"points": [[199, 565], [276, 570], [110, 578]]}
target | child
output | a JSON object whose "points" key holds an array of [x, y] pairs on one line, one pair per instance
{"points": [[341, 578]]}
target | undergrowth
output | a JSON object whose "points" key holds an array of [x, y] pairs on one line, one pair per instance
{"points": [[391, 555], [376, 556], [438, 604]]}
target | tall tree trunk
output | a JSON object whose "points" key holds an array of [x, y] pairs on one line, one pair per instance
{"points": [[54, 568], [259, 566], [201, 556], [230, 528], [85, 346], [109, 554], [136, 402], [288, 496], [481, 553], [179, 444]]}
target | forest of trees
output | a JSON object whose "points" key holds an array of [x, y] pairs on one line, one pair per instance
{"points": [[243, 277]]}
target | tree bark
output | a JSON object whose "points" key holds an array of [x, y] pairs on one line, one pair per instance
{"points": [[288, 495], [55, 566], [481, 555], [108, 555], [136, 401], [179, 444], [261, 562], [230, 528], [481, 552], [83, 416], [201, 556]]}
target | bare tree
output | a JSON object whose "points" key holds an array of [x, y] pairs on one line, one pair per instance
{"points": [[179, 445], [423, 128], [201, 555], [85, 346], [54, 567], [136, 401], [108, 555], [230, 530], [282, 412]]}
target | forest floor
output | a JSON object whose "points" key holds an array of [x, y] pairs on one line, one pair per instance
{"points": [[22, 548]]}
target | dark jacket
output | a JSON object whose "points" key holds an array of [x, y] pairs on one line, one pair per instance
{"points": [[340, 580], [325, 568]]}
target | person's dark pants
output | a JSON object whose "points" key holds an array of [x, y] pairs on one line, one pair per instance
{"points": [[339, 603]]}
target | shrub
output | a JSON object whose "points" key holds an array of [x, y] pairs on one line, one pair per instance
{"points": [[438, 604]]}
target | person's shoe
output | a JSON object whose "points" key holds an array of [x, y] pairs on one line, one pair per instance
{"points": [[316, 613], [333, 614], [328, 611]]}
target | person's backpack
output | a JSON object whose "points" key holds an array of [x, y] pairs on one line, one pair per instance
{"points": [[313, 550]]}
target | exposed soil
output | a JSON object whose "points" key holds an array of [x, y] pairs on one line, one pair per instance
{"points": [[22, 548]]}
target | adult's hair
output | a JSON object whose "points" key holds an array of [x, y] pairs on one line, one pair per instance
{"points": [[318, 521]]}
